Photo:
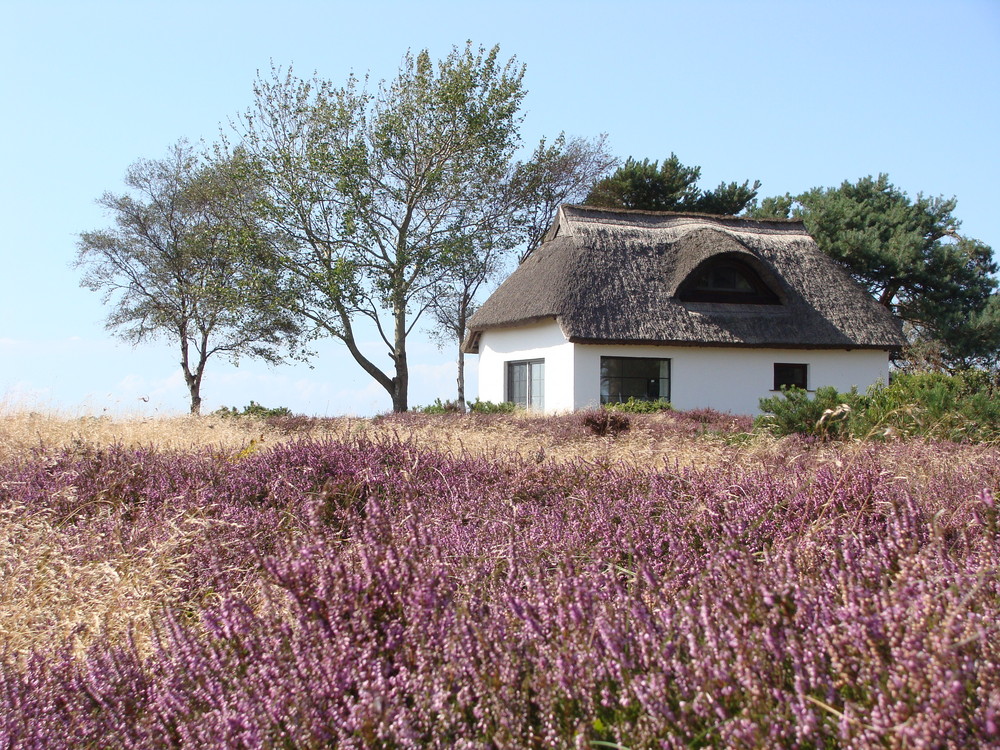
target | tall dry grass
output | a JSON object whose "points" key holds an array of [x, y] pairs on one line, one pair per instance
{"points": [[651, 441]]}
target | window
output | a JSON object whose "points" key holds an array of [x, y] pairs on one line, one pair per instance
{"points": [[526, 383], [790, 376], [726, 279], [634, 377]]}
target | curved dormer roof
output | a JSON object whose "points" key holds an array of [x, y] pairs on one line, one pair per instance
{"points": [[613, 276]]}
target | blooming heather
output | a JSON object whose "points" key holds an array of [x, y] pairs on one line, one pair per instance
{"points": [[370, 593]]}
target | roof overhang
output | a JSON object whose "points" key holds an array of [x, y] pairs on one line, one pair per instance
{"points": [[471, 343], [732, 344]]}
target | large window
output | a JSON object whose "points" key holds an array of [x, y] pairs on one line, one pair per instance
{"points": [[788, 375], [526, 383], [643, 379]]}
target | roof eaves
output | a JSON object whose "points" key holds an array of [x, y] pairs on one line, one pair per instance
{"points": [[518, 323], [730, 344], [471, 343]]}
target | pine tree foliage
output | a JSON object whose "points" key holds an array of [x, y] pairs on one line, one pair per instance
{"points": [[671, 186], [910, 255]]}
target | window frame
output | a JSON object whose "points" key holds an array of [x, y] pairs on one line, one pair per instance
{"points": [[761, 294], [531, 381], [793, 382], [605, 398]]}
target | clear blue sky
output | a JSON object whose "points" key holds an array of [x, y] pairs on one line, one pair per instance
{"points": [[795, 94]]}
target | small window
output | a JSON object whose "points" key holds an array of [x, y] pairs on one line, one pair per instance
{"points": [[642, 379], [728, 280], [790, 376], [526, 383]]}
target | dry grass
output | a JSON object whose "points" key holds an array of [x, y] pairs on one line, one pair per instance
{"points": [[645, 444], [54, 588], [26, 431], [50, 592], [651, 442]]}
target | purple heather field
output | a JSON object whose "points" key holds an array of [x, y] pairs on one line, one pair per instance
{"points": [[373, 591]]}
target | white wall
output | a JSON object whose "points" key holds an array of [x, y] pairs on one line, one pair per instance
{"points": [[732, 380], [538, 341], [727, 379]]}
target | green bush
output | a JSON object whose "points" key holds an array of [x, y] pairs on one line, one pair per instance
{"points": [[439, 407], [963, 406], [826, 413], [637, 406], [477, 406], [489, 407], [254, 410], [960, 407]]}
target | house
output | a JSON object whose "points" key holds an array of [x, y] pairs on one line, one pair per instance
{"points": [[704, 311]]}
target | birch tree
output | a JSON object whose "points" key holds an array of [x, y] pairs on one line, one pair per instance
{"points": [[380, 192], [178, 264]]}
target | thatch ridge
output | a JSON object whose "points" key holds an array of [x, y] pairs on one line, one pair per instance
{"points": [[612, 276]]}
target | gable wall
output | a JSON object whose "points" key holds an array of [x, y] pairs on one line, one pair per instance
{"points": [[543, 340], [730, 379]]}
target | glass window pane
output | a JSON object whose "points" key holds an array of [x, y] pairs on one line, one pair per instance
{"points": [[634, 388], [537, 388], [526, 383], [517, 383], [606, 390], [640, 368], [641, 378], [788, 375]]}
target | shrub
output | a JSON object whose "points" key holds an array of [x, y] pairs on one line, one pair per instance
{"points": [[826, 414], [963, 406], [637, 406], [603, 422], [254, 410], [489, 407], [960, 407], [439, 407]]}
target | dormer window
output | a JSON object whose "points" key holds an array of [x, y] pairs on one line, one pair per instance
{"points": [[728, 280]]}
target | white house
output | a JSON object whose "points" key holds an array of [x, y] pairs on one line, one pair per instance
{"points": [[704, 311]]}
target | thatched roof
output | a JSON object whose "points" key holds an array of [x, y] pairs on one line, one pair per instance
{"points": [[612, 276]]}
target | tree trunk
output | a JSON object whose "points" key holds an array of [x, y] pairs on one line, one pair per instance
{"points": [[888, 294], [193, 379], [463, 315], [400, 383], [399, 404], [195, 401]]}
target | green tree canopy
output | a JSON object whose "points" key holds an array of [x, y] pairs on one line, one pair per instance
{"points": [[672, 186], [909, 254], [382, 194], [178, 263]]}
